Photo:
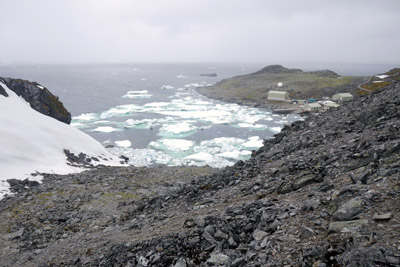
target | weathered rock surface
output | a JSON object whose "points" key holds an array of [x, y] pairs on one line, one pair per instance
{"points": [[323, 192], [39, 98]]}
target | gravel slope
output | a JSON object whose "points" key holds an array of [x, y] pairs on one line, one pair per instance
{"points": [[323, 192]]}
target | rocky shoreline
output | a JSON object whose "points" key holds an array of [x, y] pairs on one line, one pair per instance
{"points": [[323, 192]]}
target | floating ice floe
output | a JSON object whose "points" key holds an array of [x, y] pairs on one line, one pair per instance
{"points": [[194, 85], [85, 117], [139, 124], [172, 145], [190, 108], [156, 104], [143, 157], [217, 152], [137, 94], [180, 95], [122, 110], [180, 76], [168, 87], [177, 130], [201, 156], [234, 155], [277, 129], [253, 126], [105, 129], [254, 142], [77, 125], [123, 143]]}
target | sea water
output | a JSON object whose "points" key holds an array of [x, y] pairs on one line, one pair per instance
{"points": [[152, 114]]}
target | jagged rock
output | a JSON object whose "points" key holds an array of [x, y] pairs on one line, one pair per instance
{"points": [[349, 210], [21, 185], [238, 262], [14, 235], [3, 92], [180, 263], [39, 98], [383, 217], [221, 235], [218, 259], [346, 226], [207, 236], [366, 257], [258, 235], [298, 183]]}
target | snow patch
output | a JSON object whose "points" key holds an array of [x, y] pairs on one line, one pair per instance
{"points": [[383, 76], [33, 142]]}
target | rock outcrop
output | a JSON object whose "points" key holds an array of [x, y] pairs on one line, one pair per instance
{"points": [[277, 69], [322, 192], [39, 98]]}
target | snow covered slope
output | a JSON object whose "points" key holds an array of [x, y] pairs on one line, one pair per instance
{"points": [[31, 142]]}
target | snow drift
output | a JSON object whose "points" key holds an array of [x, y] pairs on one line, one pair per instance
{"points": [[31, 142]]}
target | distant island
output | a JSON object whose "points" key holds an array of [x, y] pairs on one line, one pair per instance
{"points": [[209, 74]]}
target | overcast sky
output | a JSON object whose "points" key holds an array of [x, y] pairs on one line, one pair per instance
{"points": [[84, 31]]}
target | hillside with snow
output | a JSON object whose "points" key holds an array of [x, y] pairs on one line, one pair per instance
{"points": [[33, 143]]}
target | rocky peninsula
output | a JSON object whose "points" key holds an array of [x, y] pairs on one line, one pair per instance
{"points": [[322, 192], [252, 89]]}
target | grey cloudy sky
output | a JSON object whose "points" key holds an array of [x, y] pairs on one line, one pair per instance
{"points": [[83, 31]]}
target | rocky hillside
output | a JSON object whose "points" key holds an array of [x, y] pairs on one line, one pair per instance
{"points": [[252, 89], [378, 82], [39, 98], [323, 192]]}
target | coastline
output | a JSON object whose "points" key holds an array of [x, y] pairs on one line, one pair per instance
{"points": [[263, 103]]}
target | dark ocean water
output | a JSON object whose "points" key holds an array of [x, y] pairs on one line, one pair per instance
{"points": [[152, 114]]}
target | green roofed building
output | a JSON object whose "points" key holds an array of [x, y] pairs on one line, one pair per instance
{"points": [[343, 97], [278, 95]]}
